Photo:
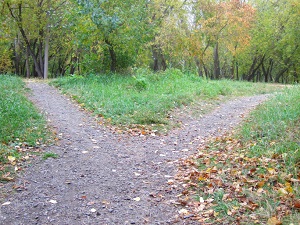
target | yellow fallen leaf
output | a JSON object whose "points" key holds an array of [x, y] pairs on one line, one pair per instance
{"points": [[288, 187], [201, 178], [216, 214], [271, 170], [282, 191], [11, 159], [273, 221]]}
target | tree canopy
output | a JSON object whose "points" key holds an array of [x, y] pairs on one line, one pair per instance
{"points": [[255, 40]]}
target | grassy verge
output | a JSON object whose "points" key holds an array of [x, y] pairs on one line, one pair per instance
{"points": [[253, 175], [22, 128], [147, 98]]}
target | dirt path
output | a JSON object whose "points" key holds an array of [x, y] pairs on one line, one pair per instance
{"points": [[106, 178]]}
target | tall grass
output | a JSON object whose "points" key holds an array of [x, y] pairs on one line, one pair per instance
{"points": [[20, 123], [274, 129], [147, 97]]}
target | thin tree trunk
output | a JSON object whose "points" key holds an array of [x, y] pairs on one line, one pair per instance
{"points": [[217, 71], [199, 67], [113, 56], [17, 55], [27, 64], [46, 58]]}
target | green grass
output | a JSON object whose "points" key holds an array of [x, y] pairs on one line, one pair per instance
{"points": [[274, 129], [274, 132], [48, 155], [22, 127], [146, 98]]}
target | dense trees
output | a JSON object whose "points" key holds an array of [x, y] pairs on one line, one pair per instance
{"points": [[252, 40]]}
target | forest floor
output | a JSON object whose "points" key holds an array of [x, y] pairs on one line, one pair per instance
{"points": [[104, 177]]}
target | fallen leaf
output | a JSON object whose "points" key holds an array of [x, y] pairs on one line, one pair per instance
{"points": [[282, 191], [170, 182], [53, 201], [201, 178], [297, 204], [137, 199], [216, 214], [288, 187], [271, 170], [6, 178], [273, 221], [183, 211], [105, 202], [11, 159], [260, 184], [6, 203]]}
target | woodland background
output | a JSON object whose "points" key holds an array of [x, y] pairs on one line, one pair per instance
{"points": [[254, 40]]}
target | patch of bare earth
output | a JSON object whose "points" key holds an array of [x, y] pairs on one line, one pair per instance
{"points": [[102, 177]]}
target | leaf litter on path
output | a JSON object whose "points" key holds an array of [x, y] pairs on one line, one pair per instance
{"points": [[223, 185]]}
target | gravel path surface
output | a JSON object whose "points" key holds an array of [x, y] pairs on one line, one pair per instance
{"points": [[106, 178]]}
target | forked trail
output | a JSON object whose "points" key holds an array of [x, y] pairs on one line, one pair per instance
{"points": [[106, 178]]}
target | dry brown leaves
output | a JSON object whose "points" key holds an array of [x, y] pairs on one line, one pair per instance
{"points": [[248, 186], [13, 165]]}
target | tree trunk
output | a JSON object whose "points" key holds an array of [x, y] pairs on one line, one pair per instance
{"points": [[199, 67], [27, 64], [254, 68], [46, 63], [46, 57], [280, 75], [18, 19], [113, 56], [217, 71], [73, 64], [17, 55], [159, 62], [40, 57], [237, 70]]}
